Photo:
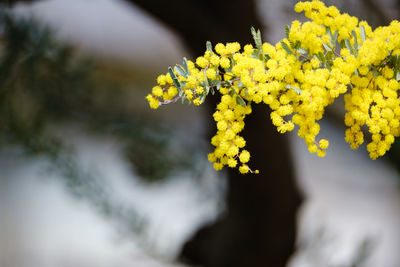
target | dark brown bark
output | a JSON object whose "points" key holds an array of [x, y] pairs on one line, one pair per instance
{"points": [[259, 226]]}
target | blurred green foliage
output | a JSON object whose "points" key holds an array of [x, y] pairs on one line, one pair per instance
{"points": [[46, 88], [43, 82]]}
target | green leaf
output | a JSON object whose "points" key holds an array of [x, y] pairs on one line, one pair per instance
{"points": [[226, 84], [246, 92], [185, 65], [394, 61], [257, 38], [332, 38], [287, 31], [206, 84], [329, 56], [320, 56], [362, 33], [240, 101], [301, 51], [255, 53], [178, 69], [328, 66], [375, 73], [176, 81], [353, 32], [335, 36], [258, 52], [228, 70], [215, 84], [266, 57], [329, 32], [327, 47], [297, 90], [254, 34], [292, 45], [296, 45], [203, 97], [342, 44], [208, 46], [286, 47], [348, 45], [239, 84]]}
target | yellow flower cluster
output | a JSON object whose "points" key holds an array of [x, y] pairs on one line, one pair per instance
{"points": [[319, 60], [229, 145]]}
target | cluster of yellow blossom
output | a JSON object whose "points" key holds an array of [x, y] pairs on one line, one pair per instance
{"points": [[319, 60]]}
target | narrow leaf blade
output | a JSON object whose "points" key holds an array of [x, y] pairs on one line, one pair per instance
{"points": [[185, 65], [208, 46], [178, 69], [297, 90], [329, 32], [353, 32], [327, 47], [176, 81], [287, 31], [286, 47], [207, 85], [257, 38], [240, 101], [348, 45], [362, 33], [335, 36]]}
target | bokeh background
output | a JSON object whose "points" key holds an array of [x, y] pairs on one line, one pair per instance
{"points": [[90, 176]]}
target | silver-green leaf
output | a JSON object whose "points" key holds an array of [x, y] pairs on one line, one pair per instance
{"points": [[176, 81], [353, 32], [320, 57], [178, 69], [334, 40], [208, 46], [301, 51], [329, 32], [286, 47], [327, 47], [240, 101], [287, 31], [185, 65], [348, 45], [207, 85], [362, 33], [257, 38], [297, 90]]}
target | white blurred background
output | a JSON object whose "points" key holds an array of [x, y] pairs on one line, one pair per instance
{"points": [[349, 197]]}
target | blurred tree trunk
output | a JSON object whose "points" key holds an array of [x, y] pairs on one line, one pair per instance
{"points": [[259, 226]]}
